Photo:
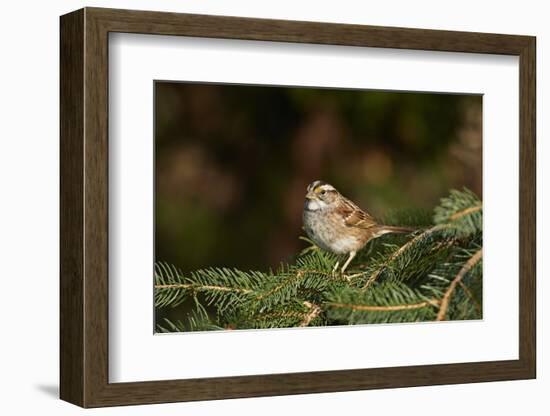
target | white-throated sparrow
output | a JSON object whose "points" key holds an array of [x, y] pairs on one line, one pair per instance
{"points": [[337, 225]]}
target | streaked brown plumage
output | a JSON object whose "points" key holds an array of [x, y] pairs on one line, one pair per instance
{"points": [[337, 225]]}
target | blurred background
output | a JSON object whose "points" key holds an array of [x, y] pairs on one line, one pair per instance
{"points": [[233, 163]]}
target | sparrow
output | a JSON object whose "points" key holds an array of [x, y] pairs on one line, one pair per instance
{"points": [[336, 224]]}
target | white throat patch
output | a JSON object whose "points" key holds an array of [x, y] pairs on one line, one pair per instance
{"points": [[314, 205]]}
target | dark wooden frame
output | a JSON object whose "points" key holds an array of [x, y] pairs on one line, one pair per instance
{"points": [[84, 207]]}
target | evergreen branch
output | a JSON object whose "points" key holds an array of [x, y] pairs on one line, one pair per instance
{"points": [[409, 279], [291, 314], [383, 303], [290, 317], [460, 275], [280, 314], [402, 250], [285, 283], [469, 293], [199, 288], [375, 308], [311, 275], [463, 209], [314, 312], [293, 278], [198, 320], [465, 212], [222, 287]]}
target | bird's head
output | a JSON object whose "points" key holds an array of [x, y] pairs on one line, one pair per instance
{"points": [[320, 195]]}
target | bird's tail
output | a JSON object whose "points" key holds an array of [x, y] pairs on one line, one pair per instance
{"points": [[387, 229]]}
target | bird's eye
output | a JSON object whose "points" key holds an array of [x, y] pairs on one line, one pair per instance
{"points": [[323, 192]]}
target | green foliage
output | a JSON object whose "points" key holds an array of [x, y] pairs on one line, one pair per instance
{"points": [[434, 273], [382, 303], [462, 210]]}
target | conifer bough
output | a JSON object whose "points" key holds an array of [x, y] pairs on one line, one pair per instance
{"points": [[432, 274]]}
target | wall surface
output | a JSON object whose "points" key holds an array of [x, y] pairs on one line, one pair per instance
{"points": [[29, 159]]}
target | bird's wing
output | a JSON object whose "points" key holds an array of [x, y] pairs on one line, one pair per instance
{"points": [[355, 216]]}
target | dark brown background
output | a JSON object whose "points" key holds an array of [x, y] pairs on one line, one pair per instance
{"points": [[232, 162]]}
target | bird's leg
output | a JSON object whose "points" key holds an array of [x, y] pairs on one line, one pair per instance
{"points": [[350, 258], [335, 267]]}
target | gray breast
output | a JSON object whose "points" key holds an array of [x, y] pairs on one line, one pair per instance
{"points": [[316, 229]]}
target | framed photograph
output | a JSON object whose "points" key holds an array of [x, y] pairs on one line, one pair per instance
{"points": [[255, 207]]}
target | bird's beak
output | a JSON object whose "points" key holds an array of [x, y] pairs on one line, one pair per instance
{"points": [[311, 195]]}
